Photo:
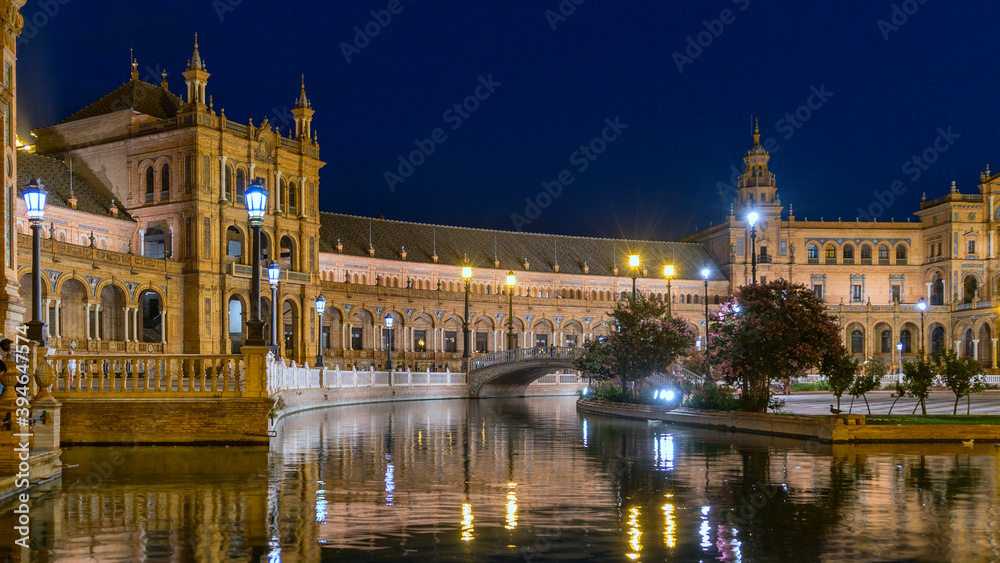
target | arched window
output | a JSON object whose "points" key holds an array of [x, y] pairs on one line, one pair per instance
{"points": [[150, 184], [901, 254], [968, 344], [165, 182], [857, 342], [866, 254], [155, 243], [937, 290], [293, 198], [228, 188], [971, 289], [937, 339], [287, 256], [812, 253], [883, 254], [886, 340], [831, 252], [907, 339], [281, 195], [848, 253], [241, 185]]}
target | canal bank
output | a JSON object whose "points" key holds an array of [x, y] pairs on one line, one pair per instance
{"points": [[837, 429]]}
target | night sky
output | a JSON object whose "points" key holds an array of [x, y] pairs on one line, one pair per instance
{"points": [[887, 92]]}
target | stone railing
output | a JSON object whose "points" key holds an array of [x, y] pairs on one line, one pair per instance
{"points": [[526, 354], [284, 376], [148, 376]]}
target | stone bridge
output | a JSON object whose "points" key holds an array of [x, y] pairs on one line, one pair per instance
{"points": [[508, 373]]}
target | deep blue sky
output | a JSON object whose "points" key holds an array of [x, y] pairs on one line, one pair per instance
{"points": [[657, 180]]}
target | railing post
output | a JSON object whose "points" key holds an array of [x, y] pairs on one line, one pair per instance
{"points": [[254, 371]]}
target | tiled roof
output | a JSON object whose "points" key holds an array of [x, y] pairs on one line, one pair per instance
{"points": [[136, 95], [54, 174], [452, 243]]}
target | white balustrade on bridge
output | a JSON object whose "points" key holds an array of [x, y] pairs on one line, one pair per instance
{"points": [[132, 375], [287, 376]]}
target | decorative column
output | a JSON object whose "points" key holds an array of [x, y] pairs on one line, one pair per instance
{"points": [[993, 354], [58, 318], [163, 326], [135, 324], [86, 309], [975, 348], [280, 196], [958, 346], [97, 322], [222, 177], [142, 242], [302, 196], [126, 312]]}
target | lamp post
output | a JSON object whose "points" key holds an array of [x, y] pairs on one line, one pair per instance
{"points": [[511, 282], [668, 272], [922, 305], [467, 276], [704, 274], [273, 275], [388, 363], [633, 262], [320, 307], [34, 204], [256, 202], [752, 217], [899, 348]]}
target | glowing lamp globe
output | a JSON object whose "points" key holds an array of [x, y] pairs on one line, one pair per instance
{"points": [[320, 305], [256, 200], [273, 273], [34, 200], [466, 273], [668, 271], [633, 261], [704, 273], [388, 323], [511, 280]]}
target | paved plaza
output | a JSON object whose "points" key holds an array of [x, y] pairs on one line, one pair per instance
{"points": [[939, 402]]}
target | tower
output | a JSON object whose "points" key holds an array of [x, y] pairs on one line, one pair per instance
{"points": [[196, 77], [303, 113], [757, 182]]}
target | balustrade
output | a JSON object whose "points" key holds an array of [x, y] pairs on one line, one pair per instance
{"points": [[132, 375]]}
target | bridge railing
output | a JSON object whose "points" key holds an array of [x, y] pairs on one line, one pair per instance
{"points": [[524, 354], [134, 375]]}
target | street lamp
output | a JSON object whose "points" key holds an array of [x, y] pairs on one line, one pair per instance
{"points": [[922, 305], [511, 282], [320, 307], [899, 348], [388, 363], [467, 276], [273, 274], [704, 274], [256, 202], [752, 217], [633, 262], [34, 204], [668, 272]]}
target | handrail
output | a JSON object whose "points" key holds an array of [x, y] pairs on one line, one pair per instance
{"points": [[525, 354]]}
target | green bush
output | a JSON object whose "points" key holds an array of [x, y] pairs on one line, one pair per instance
{"points": [[611, 391], [821, 385], [712, 397]]}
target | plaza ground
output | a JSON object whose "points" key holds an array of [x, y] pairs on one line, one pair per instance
{"points": [[939, 402]]}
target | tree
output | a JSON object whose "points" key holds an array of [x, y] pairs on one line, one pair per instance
{"points": [[644, 340], [839, 368], [770, 332], [867, 381], [918, 377], [959, 376]]}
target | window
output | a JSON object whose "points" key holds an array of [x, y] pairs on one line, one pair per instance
{"points": [[155, 243], [886, 341], [763, 280], [282, 187], [227, 190], [150, 184], [971, 247], [165, 182], [387, 338], [763, 254], [293, 199], [818, 291], [450, 341], [420, 341], [188, 239], [784, 246], [541, 340], [866, 254], [831, 254], [901, 254], [481, 340], [897, 293], [812, 253], [356, 341], [241, 185], [188, 173], [883, 254], [234, 244], [907, 339], [857, 342], [848, 254], [937, 290], [571, 340], [939, 249], [856, 293], [739, 247]]}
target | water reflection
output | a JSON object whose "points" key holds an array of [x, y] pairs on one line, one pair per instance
{"points": [[502, 479]]}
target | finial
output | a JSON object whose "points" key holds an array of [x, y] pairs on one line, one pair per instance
{"points": [[756, 131], [196, 40], [135, 69], [923, 196], [163, 83], [954, 188]]}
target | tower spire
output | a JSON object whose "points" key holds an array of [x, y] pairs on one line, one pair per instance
{"points": [[135, 64], [303, 113], [756, 131], [196, 77]]}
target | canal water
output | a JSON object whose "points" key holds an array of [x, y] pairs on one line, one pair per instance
{"points": [[516, 479]]}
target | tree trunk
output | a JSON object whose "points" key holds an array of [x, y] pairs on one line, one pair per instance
{"points": [[954, 411], [864, 396], [923, 405], [968, 404], [838, 402], [915, 407], [850, 410], [898, 397]]}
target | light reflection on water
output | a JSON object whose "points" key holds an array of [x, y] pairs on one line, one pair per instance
{"points": [[527, 478]]}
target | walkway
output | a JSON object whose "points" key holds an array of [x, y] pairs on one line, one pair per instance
{"points": [[939, 402]]}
